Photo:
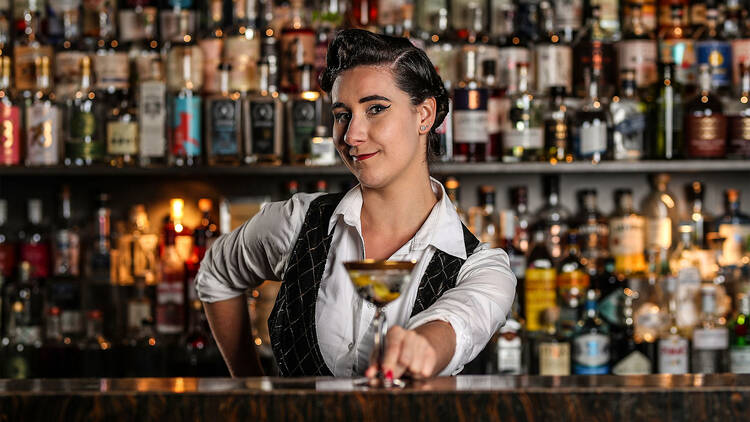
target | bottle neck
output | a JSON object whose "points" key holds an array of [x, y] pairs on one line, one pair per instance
{"points": [[523, 79]]}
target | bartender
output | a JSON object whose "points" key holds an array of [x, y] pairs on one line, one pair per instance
{"points": [[388, 101]]}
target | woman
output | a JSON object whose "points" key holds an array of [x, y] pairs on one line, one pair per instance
{"points": [[388, 101]]}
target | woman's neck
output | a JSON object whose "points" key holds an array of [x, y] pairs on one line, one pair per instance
{"points": [[401, 207]]}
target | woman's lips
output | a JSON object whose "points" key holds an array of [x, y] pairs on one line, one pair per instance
{"points": [[363, 157]]}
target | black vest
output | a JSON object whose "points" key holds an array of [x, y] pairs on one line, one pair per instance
{"points": [[292, 322]]}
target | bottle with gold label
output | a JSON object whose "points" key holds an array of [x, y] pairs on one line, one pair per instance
{"points": [[223, 123], [705, 122], [626, 235], [29, 45], [738, 118], [121, 130], [42, 120], [242, 47], [10, 119], [541, 279], [297, 47], [84, 143]]}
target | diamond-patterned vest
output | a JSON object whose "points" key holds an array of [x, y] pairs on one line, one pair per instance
{"points": [[292, 322]]}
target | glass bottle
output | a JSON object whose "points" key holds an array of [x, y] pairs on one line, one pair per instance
{"points": [[738, 118], [96, 350], [553, 216], [223, 123], [685, 262], [138, 309], [710, 337], [568, 18], [524, 138], [185, 119], [591, 342], [470, 97], [628, 120], [99, 254], [553, 57], [520, 201], [705, 122], [452, 187], [739, 351], [662, 214], [297, 48], [701, 221], [572, 283], [10, 119], [110, 60], [516, 258], [29, 47], [541, 279], [152, 117], [184, 58], [242, 47], [42, 121], [7, 250], [673, 344], [593, 47], [638, 50], [558, 125], [211, 44], [24, 326], [713, 50], [170, 300], [552, 355], [304, 111], [593, 232], [497, 110], [34, 243], [627, 357], [514, 49], [57, 354], [740, 47], [611, 290], [627, 235], [264, 122], [83, 144], [66, 245], [669, 117], [592, 119], [441, 50], [69, 52], [734, 226], [121, 130], [146, 49], [677, 48], [483, 217]]}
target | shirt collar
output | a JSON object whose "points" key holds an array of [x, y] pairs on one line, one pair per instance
{"points": [[442, 228]]}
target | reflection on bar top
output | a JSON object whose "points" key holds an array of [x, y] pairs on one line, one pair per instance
{"points": [[474, 383]]}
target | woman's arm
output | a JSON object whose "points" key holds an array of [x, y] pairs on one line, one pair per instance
{"points": [[231, 327]]}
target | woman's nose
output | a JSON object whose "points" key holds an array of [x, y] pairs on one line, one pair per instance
{"points": [[355, 131]]}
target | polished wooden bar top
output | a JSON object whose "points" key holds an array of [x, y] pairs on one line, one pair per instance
{"points": [[722, 397]]}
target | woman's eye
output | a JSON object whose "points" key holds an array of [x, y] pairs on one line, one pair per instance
{"points": [[376, 108], [341, 117]]}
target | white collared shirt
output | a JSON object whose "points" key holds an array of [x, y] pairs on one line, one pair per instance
{"points": [[260, 248]]}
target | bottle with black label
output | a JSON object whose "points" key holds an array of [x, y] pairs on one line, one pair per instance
{"points": [[304, 110], [263, 116], [223, 122]]}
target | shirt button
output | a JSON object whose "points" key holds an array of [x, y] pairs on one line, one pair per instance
{"points": [[351, 346]]}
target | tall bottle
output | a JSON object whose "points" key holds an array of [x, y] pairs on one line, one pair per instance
{"points": [[121, 130], [738, 118], [572, 283], [10, 119], [540, 292], [223, 123], [66, 244], [593, 47], [69, 52], [558, 128], [514, 49], [638, 50], [523, 139], [710, 337], [185, 118], [470, 136], [34, 242], [152, 117], [110, 61], [497, 110], [170, 300], [304, 111], [553, 216], [553, 57], [591, 342], [297, 47], [662, 214], [591, 124], [83, 138], [734, 226], [593, 232], [42, 121], [739, 351], [523, 220], [29, 47], [713, 50], [212, 46], [627, 235], [242, 47], [628, 357], [99, 257], [677, 48], [668, 117], [701, 221], [441, 48], [705, 122], [629, 120], [673, 344], [551, 353], [263, 117]]}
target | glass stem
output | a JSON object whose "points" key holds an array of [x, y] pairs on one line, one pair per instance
{"points": [[381, 328]]}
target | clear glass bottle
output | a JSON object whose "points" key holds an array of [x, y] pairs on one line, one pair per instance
{"points": [[524, 139], [591, 342], [705, 122], [42, 121], [304, 111], [674, 346], [572, 283], [541, 280], [629, 120], [470, 138], [739, 350], [592, 121], [662, 214], [638, 50], [701, 221], [223, 123], [553, 216], [734, 227], [263, 122], [668, 109], [152, 117], [738, 118], [553, 56], [83, 138], [558, 127], [593, 231], [10, 118], [627, 235], [520, 201], [710, 337]]}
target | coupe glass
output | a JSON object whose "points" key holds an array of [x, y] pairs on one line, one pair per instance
{"points": [[380, 283]]}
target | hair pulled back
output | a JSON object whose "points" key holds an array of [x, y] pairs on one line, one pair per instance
{"points": [[411, 68]]}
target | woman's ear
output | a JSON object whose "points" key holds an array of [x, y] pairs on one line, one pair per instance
{"points": [[426, 112]]}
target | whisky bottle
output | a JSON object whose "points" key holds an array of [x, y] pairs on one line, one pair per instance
{"points": [[211, 44], [223, 123], [10, 119], [705, 122], [121, 130], [42, 120], [304, 111], [524, 139], [470, 136], [242, 47], [263, 122], [185, 118], [553, 57], [152, 116], [29, 45], [627, 235], [638, 50], [297, 47]]}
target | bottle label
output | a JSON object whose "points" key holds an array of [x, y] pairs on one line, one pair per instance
{"points": [[659, 233], [152, 119], [740, 54], [137, 312], [641, 56], [508, 58], [636, 363], [734, 240], [170, 306], [509, 356], [710, 339], [530, 138], [628, 136], [122, 138], [739, 359], [540, 295], [71, 321], [609, 307], [112, 70], [144, 65], [554, 358], [568, 14], [554, 64], [42, 130], [263, 128], [131, 25], [244, 54], [706, 136], [24, 67], [303, 123], [68, 72], [67, 253], [186, 129], [37, 255], [10, 138], [176, 67], [739, 136], [591, 354], [470, 116], [297, 49], [518, 264], [626, 235], [717, 54], [225, 127], [7, 260], [682, 53], [592, 138], [212, 49], [673, 355], [497, 112]]}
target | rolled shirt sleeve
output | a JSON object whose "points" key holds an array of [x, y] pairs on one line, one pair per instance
{"points": [[254, 252], [477, 307]]}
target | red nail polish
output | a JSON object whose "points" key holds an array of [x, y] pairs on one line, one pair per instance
{"points": [[389, 374]]}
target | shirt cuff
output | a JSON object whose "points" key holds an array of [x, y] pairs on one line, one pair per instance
{"points": [[211, 290], [463, 342]]}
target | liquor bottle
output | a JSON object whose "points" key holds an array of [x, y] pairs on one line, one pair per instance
{"points": [[42, 121], [211, 44], [611, 290], [297, 48], [10, 119], [739, 351], [628, 120], [66, 244], [29, 46], [710, 337], [568, 18], [138, 309], [638, 51], [550, 350], [668, 112], [7, 249], [553, 57], [541, 278], [185, 120], [99, 254], [523, 140], [673, 344], [70, 52], [713, 50], [470, 137], [122, 130], [738, 118], [558, 122], [497, 110], [591, 342], [196, 351], [137, 260], [593, 232], [57, 354], [677, 48], [705, 122], [592, 47], [170, 300], [627, 357], [684, 262], [34, 243], [176, 18], [304, 111], [452, 190], [701, 221], [572, 283], [242, 47], [145, 47], [184, 58], [592, 120], [96, 350], [734, 226], [364, 13], [208, 231], [514, 49], [483, 218], [111, 61], [83, 144], [627, 235], [24, 326], [263, 121], [553, 217], [740, 51], [152, 117], [442, 52], [520, 201], [662, 214], [516, 258], [223, 123], [183, 235]]}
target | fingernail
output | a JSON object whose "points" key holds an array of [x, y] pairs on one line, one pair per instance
{"points": [[389, 374]]}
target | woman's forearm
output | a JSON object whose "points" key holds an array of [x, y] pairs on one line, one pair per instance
{"points": [[230, 324], [442, 338]]}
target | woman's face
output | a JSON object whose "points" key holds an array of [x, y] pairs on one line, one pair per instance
{"points": [[376, 128]]}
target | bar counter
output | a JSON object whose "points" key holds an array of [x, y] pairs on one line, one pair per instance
{"points": [[723, 397]]}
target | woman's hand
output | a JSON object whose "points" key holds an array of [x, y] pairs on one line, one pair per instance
{"points": [[421, 353]]}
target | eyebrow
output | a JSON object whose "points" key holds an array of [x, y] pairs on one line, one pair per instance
{"points": [[363, 100]]}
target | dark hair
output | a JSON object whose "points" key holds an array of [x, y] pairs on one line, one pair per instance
{"points": [[412, 70]]}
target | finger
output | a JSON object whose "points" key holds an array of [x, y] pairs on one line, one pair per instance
{"points": [[393, 341], [372, 371], [417, 363], [428, 363], [408, 354]]}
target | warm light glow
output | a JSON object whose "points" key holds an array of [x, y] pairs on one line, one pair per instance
{"points": [[177, 207], [258, 341], [668, 201], [179, 385], [151, 341], [435, 38], [310, 95], [269, 32]]}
